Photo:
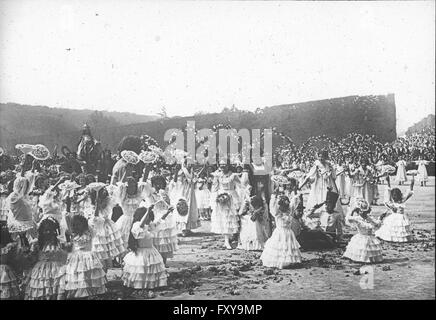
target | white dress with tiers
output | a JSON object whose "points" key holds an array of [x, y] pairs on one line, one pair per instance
{"points": [[223, 218], [364, 246]]}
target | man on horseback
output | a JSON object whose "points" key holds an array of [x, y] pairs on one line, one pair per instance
{"points": [[88, 151]]}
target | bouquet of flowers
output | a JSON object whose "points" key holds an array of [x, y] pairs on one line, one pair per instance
{"points": [[223, 199], [256, 215], [182, 207]]}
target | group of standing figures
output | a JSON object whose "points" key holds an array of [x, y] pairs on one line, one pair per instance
{"points": [[58, 244]]}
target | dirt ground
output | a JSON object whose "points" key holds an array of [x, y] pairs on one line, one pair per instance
{"points": [[203, 269]]}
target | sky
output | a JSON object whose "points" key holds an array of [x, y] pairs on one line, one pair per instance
{"points": [[190, 56]]}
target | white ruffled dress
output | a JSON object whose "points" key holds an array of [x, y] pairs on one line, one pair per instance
{"points": [[129, 204], [9, 289], [45, 279], [252, 235], [396, 225], [223, 218], [202, 194], [364, 246], [282, 249], [144, 269], [107, 240], [84, 274]]}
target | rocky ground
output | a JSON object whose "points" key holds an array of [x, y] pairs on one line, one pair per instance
{"points": [[203, 269]]}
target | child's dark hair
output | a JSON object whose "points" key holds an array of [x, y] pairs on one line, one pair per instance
{"points": [[102, 195], [90, 178], [293, 182], [396, 195], [158, 181], [48, 232], [79, 225], [256, 202], [5, 236], [137, 216], [283, 201], [117, 212]]}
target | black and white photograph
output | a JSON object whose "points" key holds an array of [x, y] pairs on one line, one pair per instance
{"points": [[217, 151]]}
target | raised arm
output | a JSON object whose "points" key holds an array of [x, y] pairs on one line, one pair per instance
{"points": [[309, 175], [145, 173]]}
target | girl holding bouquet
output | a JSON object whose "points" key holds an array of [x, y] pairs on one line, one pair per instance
{"points": [[183, 186], [223, 219]]}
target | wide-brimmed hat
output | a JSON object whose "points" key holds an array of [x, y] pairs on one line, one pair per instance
{"points": [[24, 147], [148, 156], [279, 179], [40, 152], [96, 186], [130, 156]]}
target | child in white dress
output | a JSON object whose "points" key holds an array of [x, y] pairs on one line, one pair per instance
{"points": [[396, 225], [401, 171], [422, 171], [224, 215], [143, 265], [252, 235], [45, 279], [107, 241], [202, 194], [84, 274], [363, 246], [282, 249], [9, 287], [129, 195]]}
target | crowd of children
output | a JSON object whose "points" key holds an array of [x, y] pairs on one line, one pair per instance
{"points": [[59, 242]]}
